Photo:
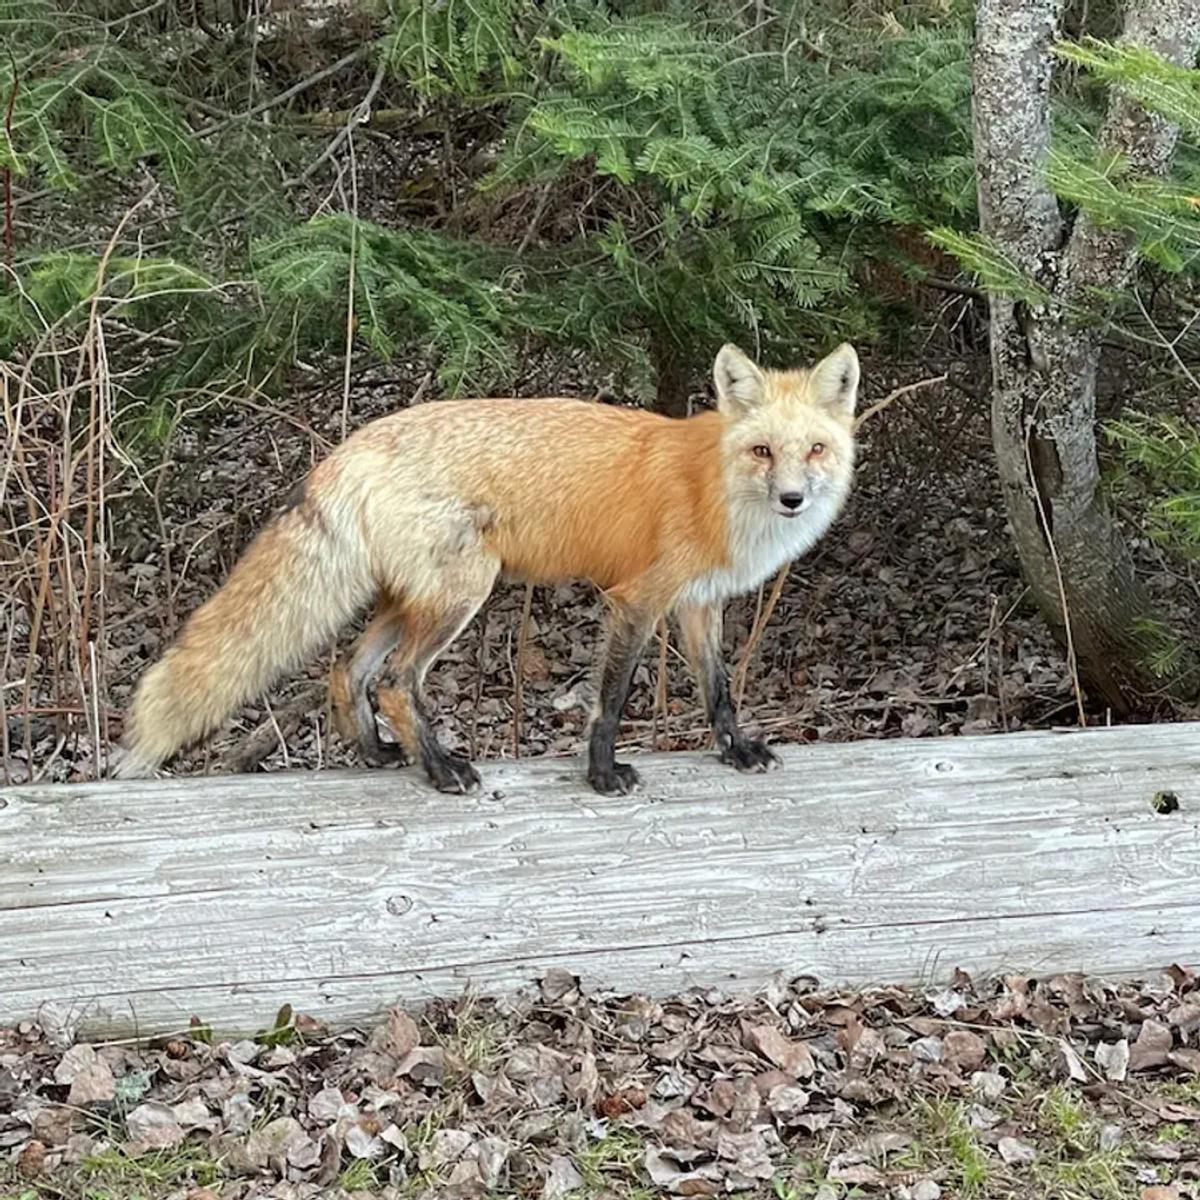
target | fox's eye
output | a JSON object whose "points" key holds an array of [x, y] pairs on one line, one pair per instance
{"points": [[761, 451], [818, 448]]}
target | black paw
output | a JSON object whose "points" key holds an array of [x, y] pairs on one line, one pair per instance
{"points": [[451, 774], [381, 754], [617, 780], [749, 755]]}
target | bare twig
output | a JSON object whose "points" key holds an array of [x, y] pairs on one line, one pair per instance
{"points": [[9, 214], [519, 670], [756, 632], [357, 116], [894, 395], [1048, 534], [271, 733]]}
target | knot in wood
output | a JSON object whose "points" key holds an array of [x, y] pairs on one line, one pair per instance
{"points": [[399, 905]]}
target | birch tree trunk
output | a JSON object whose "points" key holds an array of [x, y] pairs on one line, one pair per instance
{"points": [[1045, 357]]}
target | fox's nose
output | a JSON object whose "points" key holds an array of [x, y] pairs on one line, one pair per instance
{"points": [[791, 499]]}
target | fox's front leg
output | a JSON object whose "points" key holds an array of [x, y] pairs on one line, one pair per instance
{"points": [[700, 627], [630, 629]]}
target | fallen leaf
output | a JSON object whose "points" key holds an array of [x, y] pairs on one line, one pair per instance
{"points": [[152, 1126], [1186, 1059], [275, 1142], [398, 1035], [424, 1064], [194, 1114], [964, 1049], [927, 1050], [91, 1084], [78, 1058], [1160, 1193], [558, 984], [361, 1143], [561, 1179], [884, 1143], [1071, 1060], [327, 1105], [1113, 1059], [791, 1056], [989, 1085], [1151, 1048]]}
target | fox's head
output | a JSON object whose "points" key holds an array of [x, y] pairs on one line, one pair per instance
{"points": [[789, 439]]}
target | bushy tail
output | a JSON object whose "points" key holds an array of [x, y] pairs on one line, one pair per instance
{"points": [[296, 585]]}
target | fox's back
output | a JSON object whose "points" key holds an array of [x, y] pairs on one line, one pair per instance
{"points": [[565, 488]]}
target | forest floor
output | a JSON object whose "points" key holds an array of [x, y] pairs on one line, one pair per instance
{"points": [[909, 619], [1067, 1089]]}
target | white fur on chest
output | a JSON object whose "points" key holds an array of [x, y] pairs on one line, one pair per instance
{"points": [[760, 542]]}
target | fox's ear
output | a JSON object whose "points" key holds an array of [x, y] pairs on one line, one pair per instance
{"points": [[834, 380], [740, 384]]}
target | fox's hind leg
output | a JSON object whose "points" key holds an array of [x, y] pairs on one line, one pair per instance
{"points": [[349, 685], [430, 625]]}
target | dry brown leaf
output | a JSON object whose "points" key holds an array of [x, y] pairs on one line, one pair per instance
{"points": [[397, 1036], [791, 1056], [152, 1126], [1151, 1048], [92, 1083]]}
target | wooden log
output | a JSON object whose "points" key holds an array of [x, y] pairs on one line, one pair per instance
{"points": [[136, 905]]}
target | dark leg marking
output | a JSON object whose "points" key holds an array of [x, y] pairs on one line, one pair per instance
{"points": [[701, 628], [630, 632]]}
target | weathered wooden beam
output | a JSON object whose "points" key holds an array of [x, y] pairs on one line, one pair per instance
{"points": [[136, 905]]}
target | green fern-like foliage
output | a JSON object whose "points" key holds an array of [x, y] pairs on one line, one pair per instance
{"points": [[737, 191], [1156, 84], [460, 48], [1162, 458], [409, 288], [79, 95]]}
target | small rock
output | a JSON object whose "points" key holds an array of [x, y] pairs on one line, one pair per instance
{"points": [[1014, 1152], [925, 1189], [988, 1085], [1110, 1137], [927, 1049]]}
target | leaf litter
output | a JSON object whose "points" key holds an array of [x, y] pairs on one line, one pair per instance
{"points": [[1013, 1088]]}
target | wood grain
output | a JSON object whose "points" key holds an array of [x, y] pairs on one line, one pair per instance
{"points": [[135, 905]]}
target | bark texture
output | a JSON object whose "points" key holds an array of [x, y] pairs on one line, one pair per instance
{"points": [[1045, 357]]}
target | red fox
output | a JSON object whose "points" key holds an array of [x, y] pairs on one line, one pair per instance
{"points": [[421, 511]]}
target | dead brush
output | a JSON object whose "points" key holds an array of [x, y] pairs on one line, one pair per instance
{"points": [[61, 470]]}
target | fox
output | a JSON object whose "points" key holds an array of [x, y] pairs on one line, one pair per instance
{"points": [[421, 511]]}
